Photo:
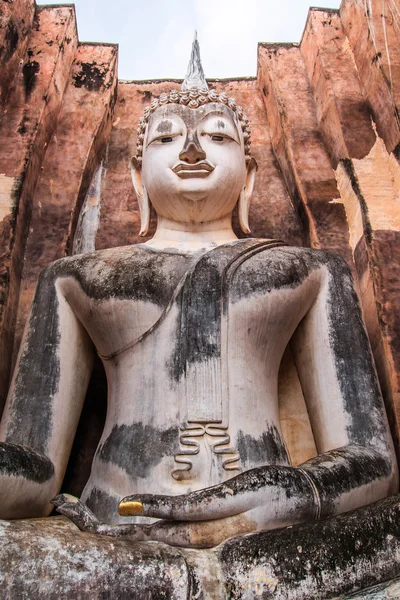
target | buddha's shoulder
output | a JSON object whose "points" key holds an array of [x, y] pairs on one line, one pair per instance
{"points": [[282, 265], [286, 255], [114, 261], [123, 272]]}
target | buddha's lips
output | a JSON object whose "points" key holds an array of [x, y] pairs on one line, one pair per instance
{"points": [[200, 169]]}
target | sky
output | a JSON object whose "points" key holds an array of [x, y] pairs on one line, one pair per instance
{"points": [[155, 36]]}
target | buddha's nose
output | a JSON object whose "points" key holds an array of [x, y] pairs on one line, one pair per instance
{"points": [[192, 152]]}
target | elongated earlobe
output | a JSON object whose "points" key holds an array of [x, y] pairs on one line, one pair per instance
{"points": [[243, 211], [144, 207], [245, 196], [142, 197]]}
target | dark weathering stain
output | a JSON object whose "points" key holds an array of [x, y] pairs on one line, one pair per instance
{"points": [[164, 126], [268, 448], [299, 208], [274, 270], [39, 371], [326, 559], [139, 448], [22, 127], [349, 168], [198, 338], [17, 190], [10, 41], [202, 324], [146, 96], [201, 298], [23, 462], [29, 73], [340, 471], [104, 506], [353, 359], [135, 273], [287, 479], [90, 77]]}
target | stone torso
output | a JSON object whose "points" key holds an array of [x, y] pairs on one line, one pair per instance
{"points": [[173, 425]]}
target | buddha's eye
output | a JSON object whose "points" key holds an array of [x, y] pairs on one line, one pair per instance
{"points": [[217, 138], [166, 140]]}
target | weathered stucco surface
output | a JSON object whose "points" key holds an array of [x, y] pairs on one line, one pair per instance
{"points": [[359, 550], [325, 133]]}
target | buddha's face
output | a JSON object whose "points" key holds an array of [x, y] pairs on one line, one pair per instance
{"points": [[194, 164]]}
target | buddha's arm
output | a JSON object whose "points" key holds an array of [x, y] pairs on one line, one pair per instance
{"points": [[44, 403], [357, 464]]}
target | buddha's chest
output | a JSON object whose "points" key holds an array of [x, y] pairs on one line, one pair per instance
{"points": [[248, 312]]}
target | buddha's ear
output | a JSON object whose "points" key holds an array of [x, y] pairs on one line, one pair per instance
{"points": [[245, 195], [141, 195]]}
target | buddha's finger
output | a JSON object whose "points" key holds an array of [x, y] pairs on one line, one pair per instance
{"points": [[76, 511], [200, 534], [64, 499], [210, 503]]}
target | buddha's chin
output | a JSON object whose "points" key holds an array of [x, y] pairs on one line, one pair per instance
{"points": [[194, 196]]}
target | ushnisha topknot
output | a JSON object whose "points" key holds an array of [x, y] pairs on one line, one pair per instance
{"points": [[194, 93]]}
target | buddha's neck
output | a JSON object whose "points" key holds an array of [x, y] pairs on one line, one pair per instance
{"points": [[192, 236]]}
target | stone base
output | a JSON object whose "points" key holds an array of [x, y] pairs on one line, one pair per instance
{"points": [[51, 559], [321, 560]]}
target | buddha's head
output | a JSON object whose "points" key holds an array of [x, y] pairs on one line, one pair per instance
{"points": [[193, 160]]}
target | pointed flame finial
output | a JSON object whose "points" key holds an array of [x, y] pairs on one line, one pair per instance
{"points": [[195, 74]]}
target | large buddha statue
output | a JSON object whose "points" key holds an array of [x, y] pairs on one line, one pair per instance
{"points": [[191, 327]]}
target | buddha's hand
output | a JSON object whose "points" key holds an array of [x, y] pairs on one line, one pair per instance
{"points": [[270, 488], [85, 520], [77, 512]]}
